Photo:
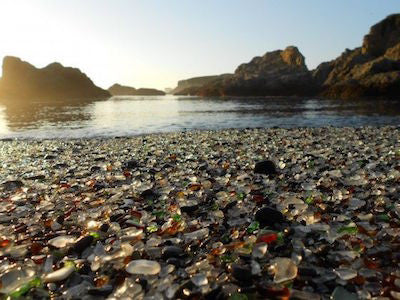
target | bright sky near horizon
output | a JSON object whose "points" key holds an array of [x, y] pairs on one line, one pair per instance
{"points": [[155, 43]]}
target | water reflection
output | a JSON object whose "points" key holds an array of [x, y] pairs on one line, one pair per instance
{"points": [[119, 116], [35, 114]]}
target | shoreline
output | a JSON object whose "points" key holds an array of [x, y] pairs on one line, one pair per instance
{"points": [[193, 131], [193, 214]]}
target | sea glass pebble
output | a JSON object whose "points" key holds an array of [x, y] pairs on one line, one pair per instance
{"points": [[143, 267]]}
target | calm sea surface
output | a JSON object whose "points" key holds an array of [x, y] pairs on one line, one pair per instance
{"points": [[127, 116]]}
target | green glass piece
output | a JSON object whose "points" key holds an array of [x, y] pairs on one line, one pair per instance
{"points": [[240, 196], [225, 238], [35, 282], [95, 235], [238, 296], [253, 227], [340, 293], [227, 258], [309, 200], [176, 217], [152, 228], [70, 263], [135, 219], [390, 206], [215, 206], [159, 213], [348, 229], [22, 290], [358, 248], [58, 254], [289, 284], [280, 237], [383, 217]]}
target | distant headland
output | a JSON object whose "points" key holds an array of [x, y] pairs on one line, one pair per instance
{"points": [[121, 90]]}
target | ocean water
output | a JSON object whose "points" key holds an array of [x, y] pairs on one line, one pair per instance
{"points": [[135, 115]]}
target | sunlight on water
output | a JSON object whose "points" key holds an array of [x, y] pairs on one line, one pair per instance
{"points": [[3, 124], [132, 115]]}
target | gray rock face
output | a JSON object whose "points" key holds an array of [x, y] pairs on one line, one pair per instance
{"points": [[372, 70], [21, 80], [281, 72], [279, 62], [382, 36], [120, 90]]}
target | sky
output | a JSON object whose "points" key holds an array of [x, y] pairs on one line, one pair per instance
{"points": [[155, 43]]}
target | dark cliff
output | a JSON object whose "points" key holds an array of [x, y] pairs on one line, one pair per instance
{"points": [[372, 70], [22, 80]]}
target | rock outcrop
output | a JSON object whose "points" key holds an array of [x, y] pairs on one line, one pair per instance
{"points": [[382, 36], [281, 72], [372, 70], [121, 90], [22, 80]]}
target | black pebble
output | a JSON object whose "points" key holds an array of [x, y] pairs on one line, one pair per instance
{"points": [[116, 217], [268, 216], [203, 166], [82, 243], [60, 219], [215, 294], [61, 166], [172, 251], [144, 283], [266, 167], [149, 195], [102, 291], [36, 177], [189, 209], [175, 261], [242, 274], [95, 169], [12, 185], [229, 206], [131, 164], [49, 156], [104, 227], [307, 271]]}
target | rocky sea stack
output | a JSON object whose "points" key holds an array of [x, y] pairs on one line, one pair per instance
{"points": [[277, 73], [372, 70], [121, 90], [22, 80]]}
